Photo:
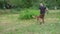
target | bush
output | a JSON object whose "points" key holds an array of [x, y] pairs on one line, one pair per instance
{"points": [[28, 13]]}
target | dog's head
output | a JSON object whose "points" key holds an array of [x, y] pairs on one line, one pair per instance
{"points": [[34, 16]]}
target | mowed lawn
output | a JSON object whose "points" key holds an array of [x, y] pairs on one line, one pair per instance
{"points": [[10, 24]]}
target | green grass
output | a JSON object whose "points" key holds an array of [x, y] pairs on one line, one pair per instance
{"points": [[28, 13], [10, 24]]}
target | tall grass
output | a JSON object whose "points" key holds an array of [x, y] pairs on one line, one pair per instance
{"points": [[28, 13], [10, 11]]}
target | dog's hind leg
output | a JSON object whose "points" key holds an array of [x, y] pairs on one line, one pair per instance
{"points": [[39, 21], [42, 20]]}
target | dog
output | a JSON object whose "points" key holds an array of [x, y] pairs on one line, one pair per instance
{"points": [[39, 18]]}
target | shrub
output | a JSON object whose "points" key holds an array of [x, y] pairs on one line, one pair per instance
{"points": [[28, 13]]}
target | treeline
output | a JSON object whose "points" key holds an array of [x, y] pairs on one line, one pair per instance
{"points": [[29, 3]]}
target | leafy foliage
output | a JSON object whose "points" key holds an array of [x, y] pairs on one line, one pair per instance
{"points": [[28, 13], [31, 3]]}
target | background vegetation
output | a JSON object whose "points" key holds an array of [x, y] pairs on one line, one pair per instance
{"points": [[26, 8], [30, 3]]}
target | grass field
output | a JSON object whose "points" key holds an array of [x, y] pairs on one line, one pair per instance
{"points": [[10, 24]]}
